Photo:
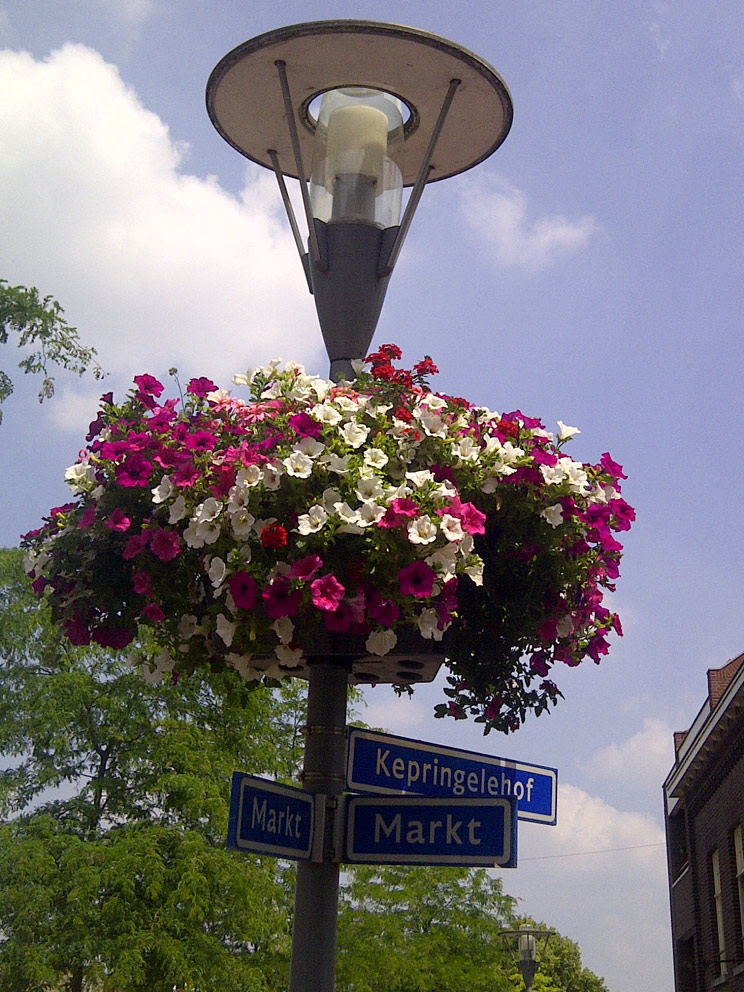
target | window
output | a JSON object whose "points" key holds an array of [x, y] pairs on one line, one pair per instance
{"points": [[739, 861], [718, 908]]}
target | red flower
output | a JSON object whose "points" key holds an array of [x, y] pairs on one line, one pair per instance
{"points": [[273, 536]]}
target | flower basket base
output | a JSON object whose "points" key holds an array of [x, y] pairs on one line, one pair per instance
{"points": [[412, 660]]}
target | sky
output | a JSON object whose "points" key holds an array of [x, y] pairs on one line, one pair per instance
{"points": [[590, 271]]}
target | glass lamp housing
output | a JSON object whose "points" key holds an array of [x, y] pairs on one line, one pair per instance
{"points": [[357, 158]]}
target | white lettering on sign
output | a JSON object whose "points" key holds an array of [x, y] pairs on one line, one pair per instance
{"points": [[282, 822], [416, 832], [411, 772]]}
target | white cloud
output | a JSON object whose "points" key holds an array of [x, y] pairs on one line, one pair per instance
{"points": [[737, 85], [132, 12], [154, 266], [614, 903], [661, 43], [643, 759], [498, 211]]}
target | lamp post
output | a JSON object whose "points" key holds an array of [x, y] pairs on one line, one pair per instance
{"points": [[355, 111], [527, 951]]}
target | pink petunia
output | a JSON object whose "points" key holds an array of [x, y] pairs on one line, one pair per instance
{"points": [[327, 592], [142, 584], [135, 545], [118, 521], [399, 512]]}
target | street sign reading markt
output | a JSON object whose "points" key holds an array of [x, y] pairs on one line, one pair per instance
{"points": [[423, 831], [269, 818], [386, 764]]}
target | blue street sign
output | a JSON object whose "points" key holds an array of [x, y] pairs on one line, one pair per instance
{"points": [[386, 764], [423, 831], [269, 818]]}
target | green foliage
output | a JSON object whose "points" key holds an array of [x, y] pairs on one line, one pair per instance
{"points": [[115, 798], [407, 929], [40, 324]]}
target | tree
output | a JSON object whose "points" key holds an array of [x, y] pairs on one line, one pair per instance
{"points": [[40, 323], [560, 966], [115, 805], [409, 929]]}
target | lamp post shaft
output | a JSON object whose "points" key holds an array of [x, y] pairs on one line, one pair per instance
{"points": [[313, 961]]}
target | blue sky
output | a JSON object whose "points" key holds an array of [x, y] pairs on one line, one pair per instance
{"points": [[590, 271]]}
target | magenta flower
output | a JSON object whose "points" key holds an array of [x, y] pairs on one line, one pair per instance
{"points": [[165, 544], [305, 568], [185, 475], [327, 592], [142, 584], [77, 632], [304, 425], [112, 637], [280, 600], [200, 387], [153, 613], [87, 517], [243, 589], [146, 384], [118, 521], [399, 512], [417, 579], [135, 471], [612, 468], [135, 545], [539, 664], [339, 620], [382, 611], [471, 518]]}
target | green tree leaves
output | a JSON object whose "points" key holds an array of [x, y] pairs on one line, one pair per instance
{"points": [[39, 323]]}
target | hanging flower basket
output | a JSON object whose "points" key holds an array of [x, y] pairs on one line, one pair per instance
{"points": [[377, 514]]}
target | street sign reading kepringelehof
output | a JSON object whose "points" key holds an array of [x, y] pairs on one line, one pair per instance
{"points": [[388, 765]]}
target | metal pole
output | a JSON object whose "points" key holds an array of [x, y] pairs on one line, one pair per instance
{"points": [[313, 961]]}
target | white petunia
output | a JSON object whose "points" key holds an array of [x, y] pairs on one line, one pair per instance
{"points": [[163, 491], [188, 627], [355, 434], [466, 449], [310, 447], [325, 413], [298, 465], [565, 432], [553, 515], [272, 475], [284, 629], [428, 625], [422, 530], [420, 479], [369, 488], [312, 521], [337, 464], [474, 572], [381, 642], [375, 458], [565, 626], [289, 657], [177, 509], [346, 513], [242, 521], [208, 531], [329, 499], [433, 424], [369, 513], [225, 629], [552, 474], [80, 476], [249, 476], [216, 571], [451, 527], [208, 511]]}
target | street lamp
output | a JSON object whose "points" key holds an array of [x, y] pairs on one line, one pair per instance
{"points": [[527, 951], [355, 111]]}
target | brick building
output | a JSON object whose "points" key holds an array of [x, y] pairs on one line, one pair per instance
{"points": [[704, 814]]}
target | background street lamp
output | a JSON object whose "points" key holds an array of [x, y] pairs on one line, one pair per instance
{"points": [[354, 110], [527, 951]]}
